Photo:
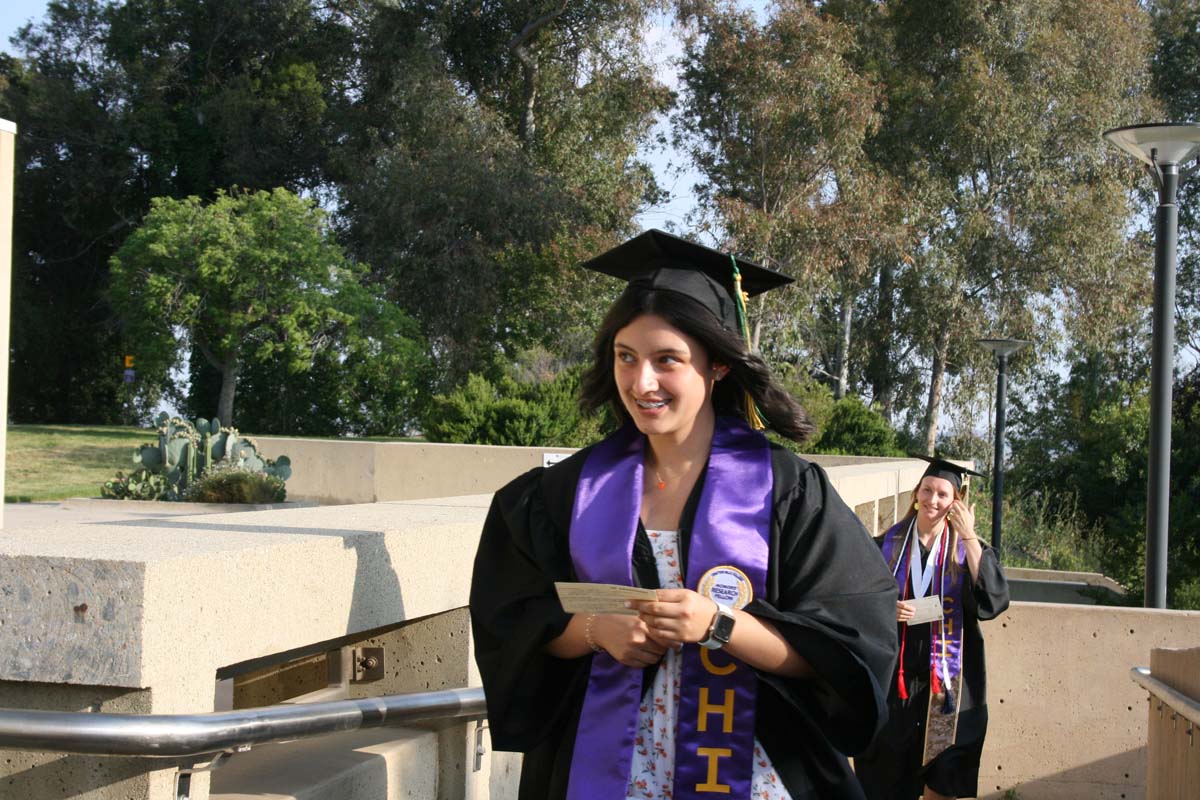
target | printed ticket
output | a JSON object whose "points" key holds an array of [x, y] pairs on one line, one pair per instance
{"points": [[600, 598], [925, 609]]}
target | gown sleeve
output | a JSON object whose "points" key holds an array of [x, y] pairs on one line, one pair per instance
{"points": [[832, 597], [515, 612], [990, 588]]}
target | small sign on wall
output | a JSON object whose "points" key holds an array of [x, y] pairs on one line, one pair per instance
{"points": [[550, 459]]}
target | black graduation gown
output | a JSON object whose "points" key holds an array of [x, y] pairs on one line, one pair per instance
{"points": [[891, 768], [827, 592]]}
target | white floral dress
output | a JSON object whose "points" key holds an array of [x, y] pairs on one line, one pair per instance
{"points": [[651, 775]]}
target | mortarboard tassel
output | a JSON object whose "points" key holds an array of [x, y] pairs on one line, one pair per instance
{"points": [[753, 416]]}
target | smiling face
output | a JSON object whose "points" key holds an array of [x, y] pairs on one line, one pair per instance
{"points": [[936, 496], [664, 378]]}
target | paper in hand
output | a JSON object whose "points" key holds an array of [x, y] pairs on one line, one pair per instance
{"points": [[599, 598], [925, 609]]}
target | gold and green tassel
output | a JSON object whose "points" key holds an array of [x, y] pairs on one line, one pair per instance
{"points": [[753, 415]]}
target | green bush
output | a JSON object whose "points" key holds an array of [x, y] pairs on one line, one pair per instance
{"points": [[511, 412], [855, 430], [1039, 534], [140, 484], [230, 484]]}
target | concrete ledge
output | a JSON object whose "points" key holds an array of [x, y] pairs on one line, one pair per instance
{"points": [[1060, 586], [87, 503], [333, 471], [380, 764], [178, 598]]}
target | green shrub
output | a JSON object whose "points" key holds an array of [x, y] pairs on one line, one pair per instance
{"points": [[231, 484], [511, 412], [855, 430], [140, 484]]}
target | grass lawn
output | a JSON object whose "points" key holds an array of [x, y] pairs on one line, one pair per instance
{"points": [[50, 462]]}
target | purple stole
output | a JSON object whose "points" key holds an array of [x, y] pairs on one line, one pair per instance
{"points": [[946, 639], [714, 742]]}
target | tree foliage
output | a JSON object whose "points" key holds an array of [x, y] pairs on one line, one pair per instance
{"points": [[252, 277], [511, 412]]}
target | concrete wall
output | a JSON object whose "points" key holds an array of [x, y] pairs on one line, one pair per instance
{"points": [[331, 471], [1066, 722], [147, 613]]}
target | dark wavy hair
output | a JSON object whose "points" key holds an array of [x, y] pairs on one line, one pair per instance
{"points": [[747, 371]]}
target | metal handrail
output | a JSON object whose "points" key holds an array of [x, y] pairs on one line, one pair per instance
{"points": [[179, 735], [1184, 705]]}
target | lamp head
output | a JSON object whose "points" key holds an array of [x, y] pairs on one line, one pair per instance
{"points": [[1003, 347], [1158, 143]]}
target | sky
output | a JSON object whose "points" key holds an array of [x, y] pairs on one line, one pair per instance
{"points": [[14, 14]]}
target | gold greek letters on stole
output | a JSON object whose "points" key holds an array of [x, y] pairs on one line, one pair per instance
{"points": [[710, 783], [725, 709]]}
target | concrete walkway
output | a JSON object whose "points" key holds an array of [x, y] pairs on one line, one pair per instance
{"points": [[83, 510]]}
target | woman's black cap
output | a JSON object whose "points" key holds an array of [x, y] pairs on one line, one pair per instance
{"points": [[657, 260], [947, 470]]}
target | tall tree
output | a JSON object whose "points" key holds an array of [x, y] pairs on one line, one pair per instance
{"points": [[251, 277], [775, 117], [119, 102], [464, 184], [992, 117]]}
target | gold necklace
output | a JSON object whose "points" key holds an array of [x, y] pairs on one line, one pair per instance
{"points": [[661, 483]]}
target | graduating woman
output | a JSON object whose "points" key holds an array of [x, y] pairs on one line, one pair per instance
{"points": [[949, 581], [762, 659]]}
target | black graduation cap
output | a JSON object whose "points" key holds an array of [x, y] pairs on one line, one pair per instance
{"points": [[941, 468], [657, 260]]}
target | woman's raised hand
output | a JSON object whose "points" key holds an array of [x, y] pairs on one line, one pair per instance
{"points": [[677, 616], [627, 639], [962, 519]]}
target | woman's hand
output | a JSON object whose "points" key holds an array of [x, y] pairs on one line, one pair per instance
{"points": [[962, 520], [904, 611], [627, 639], [678, 616]]}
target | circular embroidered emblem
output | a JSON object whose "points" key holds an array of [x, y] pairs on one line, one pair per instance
{"points": [[727, 585]]}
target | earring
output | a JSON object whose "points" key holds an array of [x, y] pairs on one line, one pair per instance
{"points": [[917, 506]]}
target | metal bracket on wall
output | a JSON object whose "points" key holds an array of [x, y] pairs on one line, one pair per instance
{"points": [[480, 749], [368, 664], [183, 777]]}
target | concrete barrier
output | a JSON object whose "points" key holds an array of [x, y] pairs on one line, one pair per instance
{"points": [[331, 471], [142, 617], [1065, 721]]}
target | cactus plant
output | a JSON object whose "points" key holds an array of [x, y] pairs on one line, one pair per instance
{"points": [[184, 452]]}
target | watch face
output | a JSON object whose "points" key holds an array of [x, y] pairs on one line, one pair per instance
{"points": [[722, 627]]}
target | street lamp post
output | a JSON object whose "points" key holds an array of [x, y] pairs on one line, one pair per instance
{"points": [[1163, 149], [1003, 348]]}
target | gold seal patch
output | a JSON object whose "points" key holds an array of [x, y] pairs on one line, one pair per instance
{"points": [[729, 586]]}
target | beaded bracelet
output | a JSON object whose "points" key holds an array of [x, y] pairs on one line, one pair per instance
{"points": [[587, 635]]}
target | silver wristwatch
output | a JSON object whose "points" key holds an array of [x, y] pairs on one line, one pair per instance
{"points": [[720, 630]]}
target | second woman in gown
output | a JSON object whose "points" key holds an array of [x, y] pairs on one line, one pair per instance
{"points": [[938, 711]]}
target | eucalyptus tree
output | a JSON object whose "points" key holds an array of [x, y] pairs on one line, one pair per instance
{"points": [[775, 116], [493, 141], [991, 117]]}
